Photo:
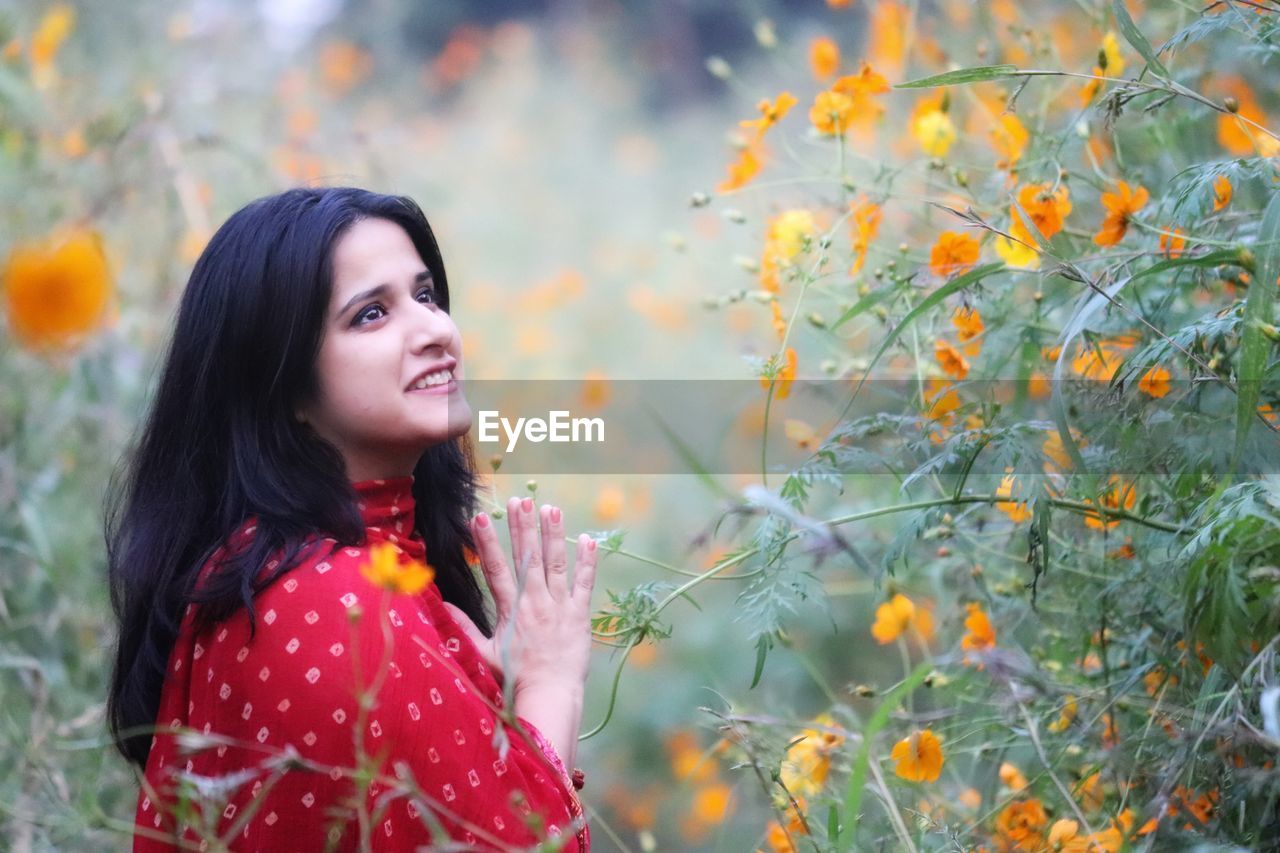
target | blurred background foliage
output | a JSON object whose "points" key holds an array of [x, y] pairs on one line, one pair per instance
{"points": [[568, 155]]}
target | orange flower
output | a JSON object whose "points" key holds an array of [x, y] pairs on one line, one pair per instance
{"points": [[57, 290], [889, 21], [1009, 139], [386, 570], [1020, 823], [47, 40], [1011, 777], [864, 224], [953, 363], [711, 804], [1237, 131], [746, 167], [839, 4], [343, 66], [1017, 511], [782, 382], [980, 634], [896, 616], [1155, 382], [968, 323], [824, 58], [1172, 243], [831, 112], [688, 760], [1066, 717], [1221, 192], [770, 113], [1103, 359], [952, 254], [918, 756], [804, 769], [1047, 207], [1121, 496], [860, 89], [1121, 206]]}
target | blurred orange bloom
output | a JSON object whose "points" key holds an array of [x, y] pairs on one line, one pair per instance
{"points": [[1155, 382], [386, 570], [1173, 243], [343, 66], [1018, 512], [861, 89], [1101, 360], [1009, 139], [824, 58], [888, 24], [688, 760], [804, 769], [831, 112], [57, 290], [918, 756], [1020, 823], [953, 253], [953, 363], [742, 170], [968, 323], [864, 224], [53, 29], [770, 113], [1236, 131], [1120, 206], [1011, 777], [711, 804], [839, 4], [1066, 717], [1221, 192], [782, 382], [1121, 496], [896, 616], [980, 633]]}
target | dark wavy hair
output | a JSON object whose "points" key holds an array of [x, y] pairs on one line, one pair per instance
{"points": [[221, 444]]}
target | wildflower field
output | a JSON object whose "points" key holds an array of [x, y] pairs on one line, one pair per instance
{"points": [[1029, 600]]}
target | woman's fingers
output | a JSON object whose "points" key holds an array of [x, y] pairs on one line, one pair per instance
{"points": [[493, 564], [553, 552], [524, 545], [584, 571]]}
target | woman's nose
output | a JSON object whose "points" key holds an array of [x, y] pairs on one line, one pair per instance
{"points": [[432, 326]]}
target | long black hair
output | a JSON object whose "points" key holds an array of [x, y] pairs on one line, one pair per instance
{"points": [[221, 443]]}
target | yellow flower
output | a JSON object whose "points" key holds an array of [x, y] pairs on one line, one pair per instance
{"points": [[1066, 717], [896, 615], [385, 570], [808, 761], [788, 232], [1009, 139], [831, 112], [1109, 56], [749, 163], [934, 131], [57, 291], [1017, 255], [918, 756]]}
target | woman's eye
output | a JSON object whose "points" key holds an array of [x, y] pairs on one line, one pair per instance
{"points": [[430, 293], [367, 315]]}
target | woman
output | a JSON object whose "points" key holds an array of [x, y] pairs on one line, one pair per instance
{"points": [[280, 677]]}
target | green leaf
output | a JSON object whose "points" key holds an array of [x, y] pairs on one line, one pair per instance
{"points": [[763, 644], [858, 776], [1135, 37], [863, 304], [963, 75], [1254, 346]]}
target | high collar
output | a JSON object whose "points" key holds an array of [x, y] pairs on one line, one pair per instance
{"points": [[388, 511]]}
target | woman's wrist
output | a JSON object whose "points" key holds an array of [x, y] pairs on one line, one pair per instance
{"points": [[555, 708]]}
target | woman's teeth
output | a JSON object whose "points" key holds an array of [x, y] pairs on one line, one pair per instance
{"points": [[438, 378]]}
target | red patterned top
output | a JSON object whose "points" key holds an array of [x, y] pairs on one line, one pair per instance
{"points": [[265, 727]]}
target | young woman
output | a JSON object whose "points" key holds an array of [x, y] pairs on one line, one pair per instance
{"points": [[279, 678]]}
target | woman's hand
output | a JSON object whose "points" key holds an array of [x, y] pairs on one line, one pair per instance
{"points": [[542, 636]]}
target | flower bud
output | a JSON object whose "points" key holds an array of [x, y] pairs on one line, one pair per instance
{"points": [[699, 200], [719, 68], [531, 485]]}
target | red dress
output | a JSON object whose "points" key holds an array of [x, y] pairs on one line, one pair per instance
{"points": [[276, 717]]}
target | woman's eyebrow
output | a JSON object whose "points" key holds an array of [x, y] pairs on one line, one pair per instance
{"points": [[381, 290]]}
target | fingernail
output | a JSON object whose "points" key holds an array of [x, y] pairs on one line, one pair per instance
{"points": [[527, 504], [482, 520], [555, 515], [591, 545]]}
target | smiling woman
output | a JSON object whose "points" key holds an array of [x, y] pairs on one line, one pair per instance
{"points": [[305, 659]]}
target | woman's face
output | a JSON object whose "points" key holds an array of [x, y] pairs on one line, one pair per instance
{"points": [[386, 344]]}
